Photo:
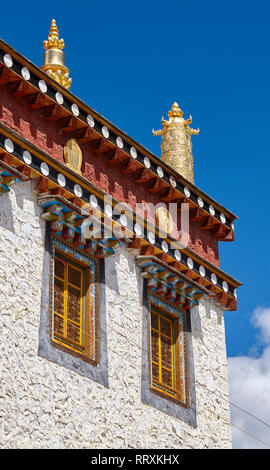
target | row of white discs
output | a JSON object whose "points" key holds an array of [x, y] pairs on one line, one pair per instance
{"points": [[45, 170], [133, 152], [106, 133]]}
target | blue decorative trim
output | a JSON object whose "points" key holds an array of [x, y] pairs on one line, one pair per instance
{"points": [[72, 252], [167, 307]]}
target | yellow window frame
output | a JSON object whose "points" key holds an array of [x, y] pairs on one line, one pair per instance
{"points": [[63, 339], [160, 383], [178, 390]]}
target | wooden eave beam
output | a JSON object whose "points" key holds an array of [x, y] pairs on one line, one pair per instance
{"points": [[196, 215], [129, 166], [142, 175], [85, 135], [6, 75], [36, 100], [44, 185], [155, 186], [115, 157], [20, 89], [53, 112], [168, 194], [10, 75], [101, 146]]}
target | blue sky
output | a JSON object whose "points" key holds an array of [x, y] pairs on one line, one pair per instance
{"points": [[130, 61]]}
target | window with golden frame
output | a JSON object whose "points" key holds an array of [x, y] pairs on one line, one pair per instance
{"points": [[73, 318], [168, 365]]}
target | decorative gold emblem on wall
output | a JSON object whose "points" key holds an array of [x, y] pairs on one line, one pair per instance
{"points": [[73, 156], [164, 220]]}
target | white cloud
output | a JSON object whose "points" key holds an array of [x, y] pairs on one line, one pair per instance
{"points": [[249, 382], [261, 320]]}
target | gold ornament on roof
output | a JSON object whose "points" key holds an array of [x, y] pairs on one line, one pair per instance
{"points": [[175, 111], [176, 146], [73, 156], [54, 58], [53, 41]]}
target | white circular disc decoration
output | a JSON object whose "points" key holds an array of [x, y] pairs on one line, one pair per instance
{"points": [[44, 169], [202, 271], [147, 162], [225, 286], [222, 218], [25, 73], [235, 293], [177, 255], [93, 201], [151, 237], [9, 146], [138, 229], [187, 191], [75, 109], [200, 201], [108, 210], [119, 142], [123, 220], [61, 180], [59, 97], [133, 152], [78, 190], [160, 172], [42, 86], [164, 246], [190, 263], [213, 278], [212, 210], [105, 132], [172, 181], [27, 157], [90, 120], [8, 60]]}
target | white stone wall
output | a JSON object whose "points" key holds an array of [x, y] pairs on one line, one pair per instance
{"points": [[43, 404]]}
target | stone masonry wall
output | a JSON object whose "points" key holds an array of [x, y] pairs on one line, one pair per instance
{"points": [[43, 404]]}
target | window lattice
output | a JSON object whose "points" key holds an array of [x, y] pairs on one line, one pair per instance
{"points": [[162, 349], [167, 352], [68, 301]]}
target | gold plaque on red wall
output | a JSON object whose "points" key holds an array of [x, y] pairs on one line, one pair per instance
{"points": [[164, 219], [73, 156]]}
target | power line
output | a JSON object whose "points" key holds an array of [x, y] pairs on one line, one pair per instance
{"points": [[251, 435], [233, 404]]}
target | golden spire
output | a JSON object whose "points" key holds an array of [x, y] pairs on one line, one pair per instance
{"points": [[53, 41], [54, 57], [176, 146], [175, 111]]}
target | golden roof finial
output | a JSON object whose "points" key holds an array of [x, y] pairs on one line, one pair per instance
{"points": [[54, 58], [176, 147], [175, 111], [53, 41]]}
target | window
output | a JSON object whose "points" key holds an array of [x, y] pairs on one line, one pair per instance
{"points": [[74, 290], [167, 350]]}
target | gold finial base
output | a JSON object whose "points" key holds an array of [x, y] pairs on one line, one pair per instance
{"points": [[54, 58], [176, 146]]}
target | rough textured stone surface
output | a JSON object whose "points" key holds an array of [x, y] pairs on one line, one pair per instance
{"points": [[42, 404]]}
